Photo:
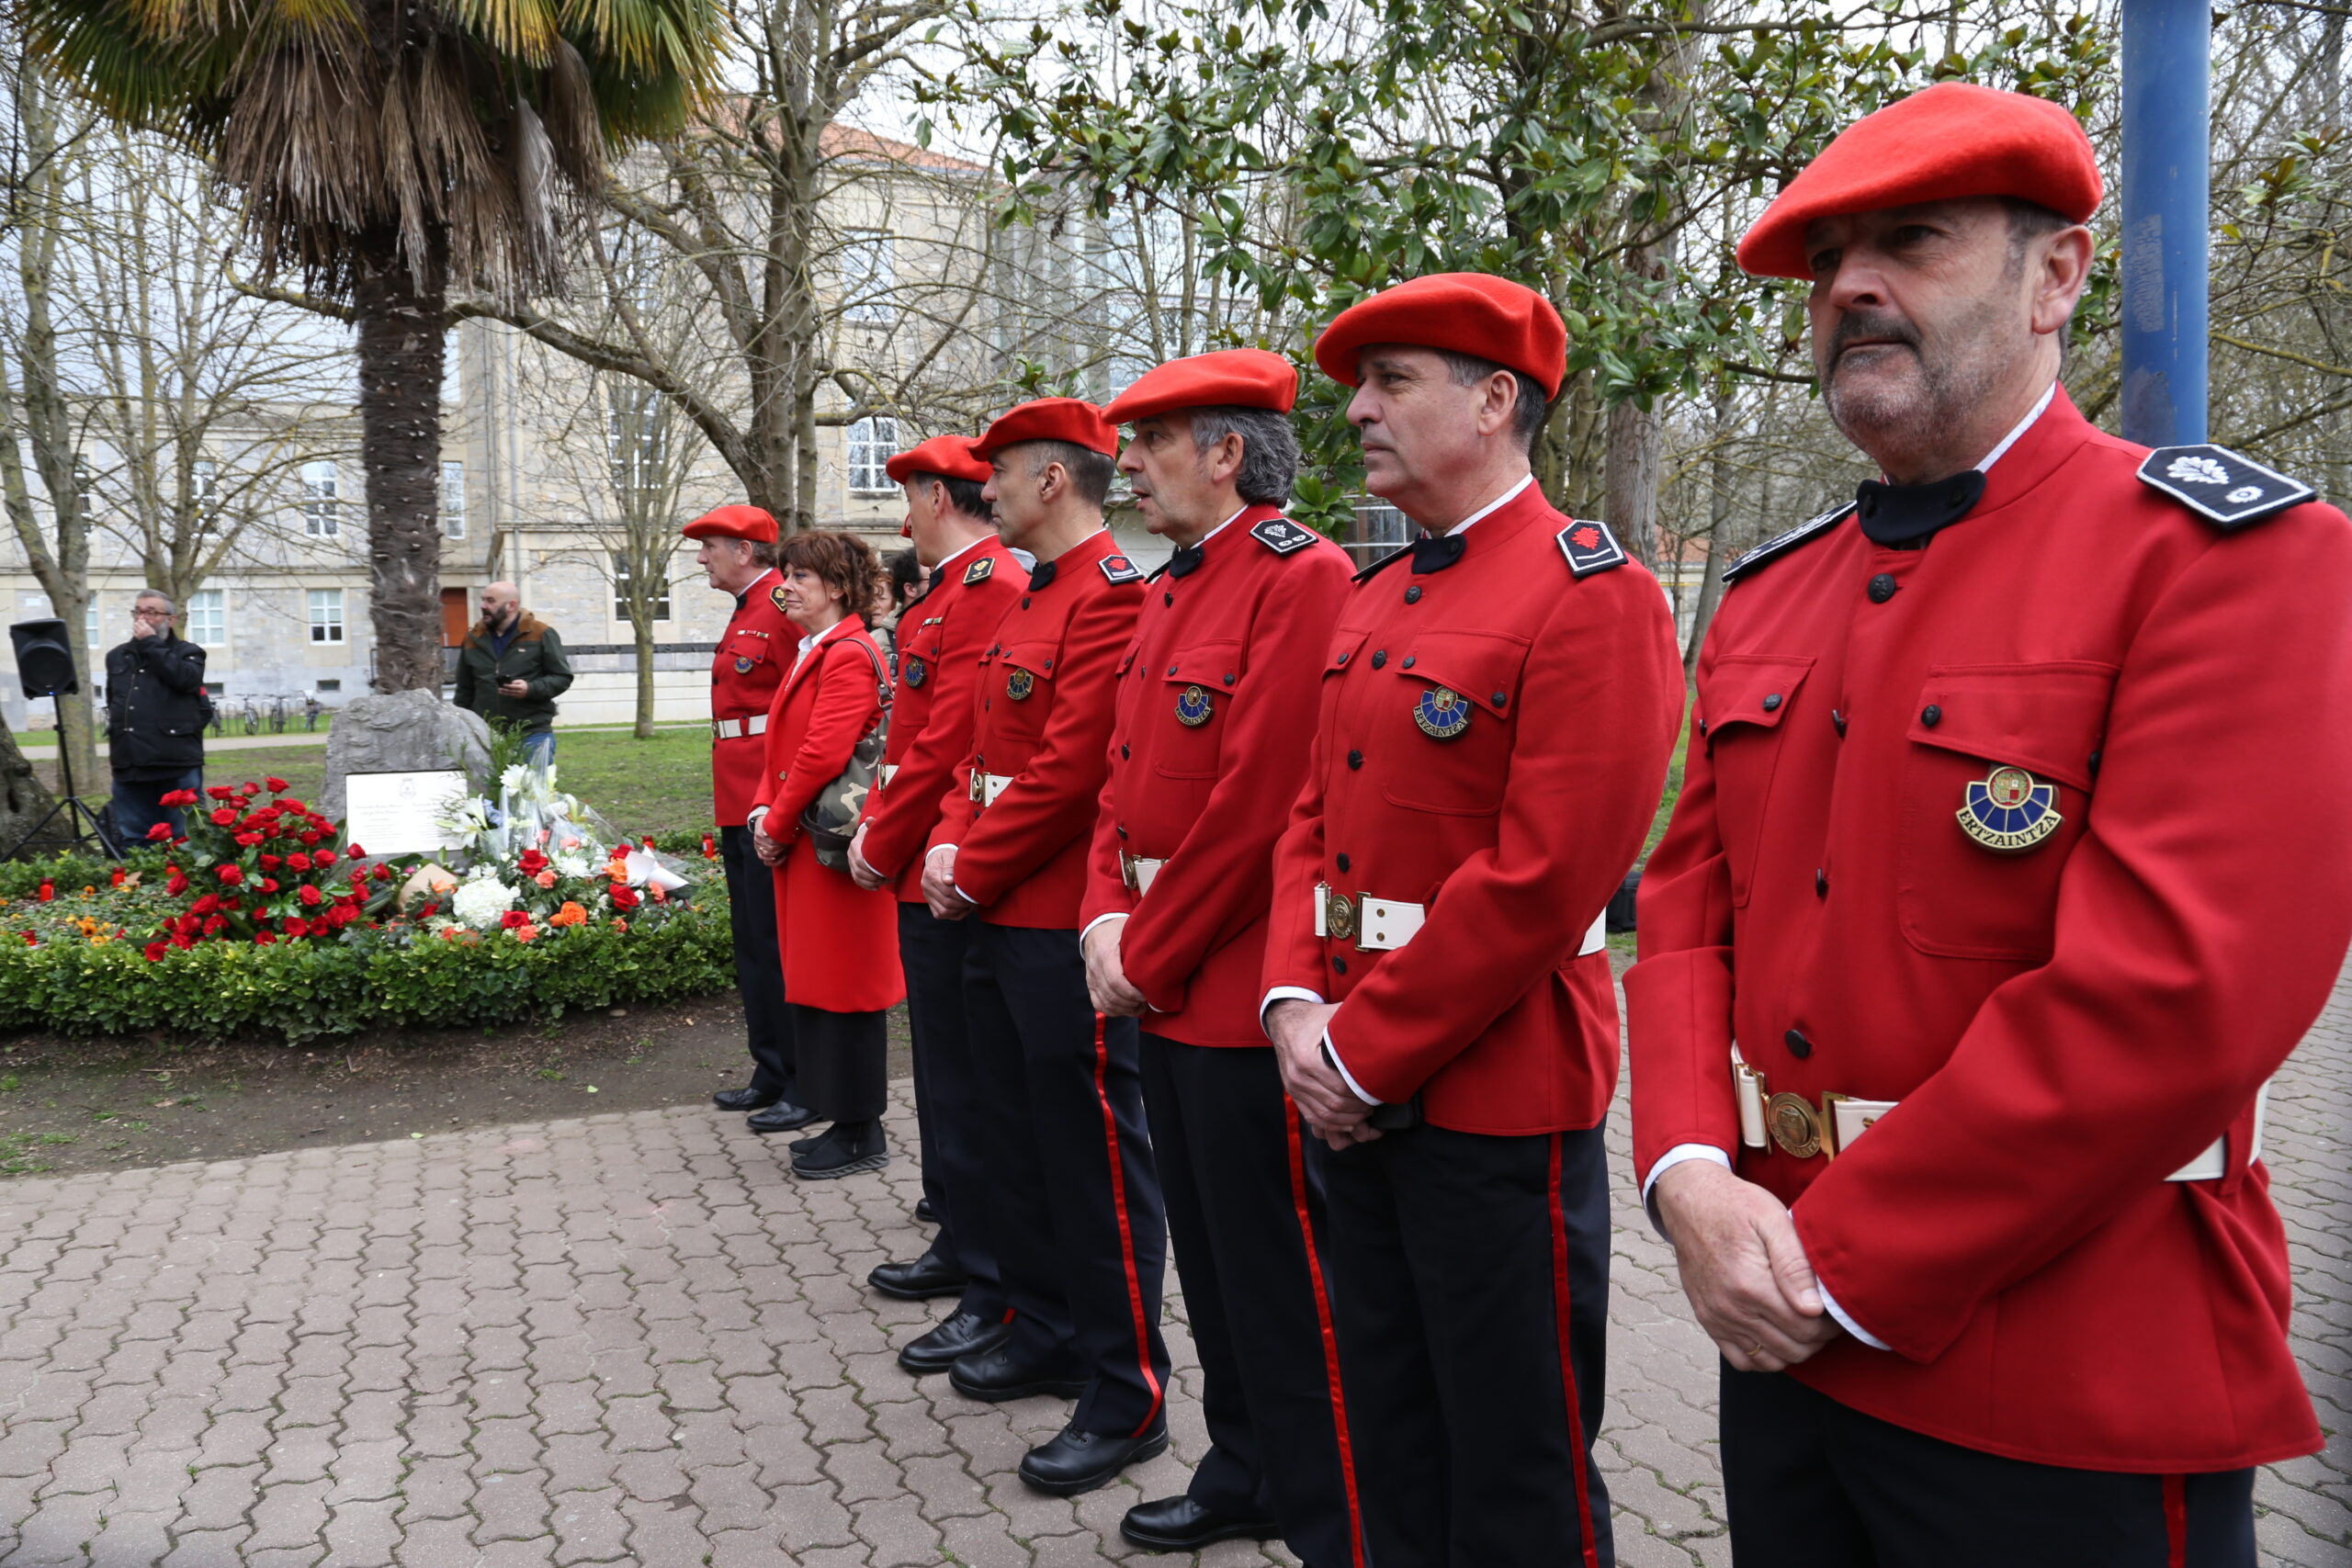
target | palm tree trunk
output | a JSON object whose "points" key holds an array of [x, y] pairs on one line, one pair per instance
{"points": [[403, 326]]}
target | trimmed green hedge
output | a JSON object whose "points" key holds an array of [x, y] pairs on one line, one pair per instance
{"points": [[300, 989]]}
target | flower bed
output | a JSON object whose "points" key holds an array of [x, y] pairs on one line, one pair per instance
{"points": [[262, 921]]}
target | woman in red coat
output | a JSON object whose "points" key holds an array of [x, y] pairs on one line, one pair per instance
{"points": [[839, 943]]}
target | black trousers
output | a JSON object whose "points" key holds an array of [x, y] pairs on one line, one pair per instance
{"points": [[947, 1100], [759, 966], [1073, 1199], [1811, 1482], [844, 1072], [1472, 1305], [1245, 1213]]}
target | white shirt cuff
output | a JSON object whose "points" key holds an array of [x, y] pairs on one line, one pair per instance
{"points": [[1087, 930], [1284, 994], [1345, 1077], [967, 899], [935, 850], [1830, 1303], [757, 812], [1675, 1156]]}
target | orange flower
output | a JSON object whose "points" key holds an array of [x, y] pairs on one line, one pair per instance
{"points": [[526, 934], [545, 879], [619, 924], [569, 914]]}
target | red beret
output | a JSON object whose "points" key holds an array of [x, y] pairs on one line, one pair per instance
{"points": [[1231, 378], [734, 523], [1467, 313], [1073, 419], [949, 457], [1949, 140]]}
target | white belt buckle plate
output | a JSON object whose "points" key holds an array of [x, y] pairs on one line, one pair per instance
{"points": [[1142, 872], [1384, 924]]}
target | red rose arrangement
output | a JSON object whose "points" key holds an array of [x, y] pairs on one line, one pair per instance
{"points": [[262, 871]]}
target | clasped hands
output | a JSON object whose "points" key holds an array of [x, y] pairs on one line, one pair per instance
{"points": [[1332, 1109], [1743, 1268]]}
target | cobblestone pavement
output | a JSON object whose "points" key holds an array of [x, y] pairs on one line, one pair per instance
{"points": [[634, 1339]]}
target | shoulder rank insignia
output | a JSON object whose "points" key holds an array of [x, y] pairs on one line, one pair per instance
{"points": [[1590, 547], [2008, 811], [2222, 486], [776, 597], [978, 571], [1783, 543], [1119, 569], [1281, 536]]}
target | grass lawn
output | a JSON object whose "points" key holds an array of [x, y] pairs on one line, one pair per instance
{"points": [[639, 787]]}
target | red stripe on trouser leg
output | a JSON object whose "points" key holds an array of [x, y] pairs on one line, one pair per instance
{"points": [[1588, 1556], [1127, 1231], [1323, 1326], [2176, 1521]]}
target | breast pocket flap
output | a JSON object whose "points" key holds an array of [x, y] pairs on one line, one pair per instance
{"points": [[2048, 720], [1483, 668], [1751, 688]]}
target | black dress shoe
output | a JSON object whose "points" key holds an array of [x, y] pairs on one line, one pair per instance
{"points": [[926, 1277], [782, 1117], [1184, 1524], [846, 1148], [1080, 1462], [926, 1213], [744, 1098], [992, 1376], [963, 1333]]}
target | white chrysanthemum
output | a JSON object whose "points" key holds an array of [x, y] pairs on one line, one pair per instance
{"points": [[511, 780], [573, 862], [479, 900]]}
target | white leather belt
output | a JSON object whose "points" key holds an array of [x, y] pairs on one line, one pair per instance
{"points": [[1383, 925], [736, 728], [1798, 1127], [986, 787], [1138, 873], [889, 772]]}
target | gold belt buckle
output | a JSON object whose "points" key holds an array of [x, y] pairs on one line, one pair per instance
{"points": [[980, 788], [1799, 1128], [1339, 915], [1127, 870]]}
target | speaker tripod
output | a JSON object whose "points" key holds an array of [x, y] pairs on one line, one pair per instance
{"points": [[82, 826]]}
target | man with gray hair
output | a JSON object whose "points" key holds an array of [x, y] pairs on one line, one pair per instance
{"points": [[156, 712], [1208, 748]]}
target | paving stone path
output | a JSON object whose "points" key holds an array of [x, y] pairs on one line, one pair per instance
{"points": [[635, 1339]]}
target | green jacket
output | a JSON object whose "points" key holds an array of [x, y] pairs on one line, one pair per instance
{"points": [[533, 654]]}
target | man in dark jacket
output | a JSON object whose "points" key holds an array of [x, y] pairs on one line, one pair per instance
{"points": [[511, 669], [155, 717]]}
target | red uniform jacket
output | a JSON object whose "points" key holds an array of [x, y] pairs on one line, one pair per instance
{"points": [[940, 643], [2064, 1026], [1513, 833], [1216, 713], [754, 654], [839, 943], [1044, 689]]}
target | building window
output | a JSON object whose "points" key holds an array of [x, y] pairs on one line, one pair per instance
{"points": [[620, 592], [872, 444], [326, 615], [1380, 531], [637, 440], [85, 495], [206, 497], [331, 685], [90, 622], [453, 501], [869, 274], [321, 515], [208, 619]]}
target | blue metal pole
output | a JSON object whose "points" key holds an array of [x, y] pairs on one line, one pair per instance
{"points": [[2166, 150]]}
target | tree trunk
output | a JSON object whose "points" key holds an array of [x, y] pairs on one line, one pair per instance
{"points": [[641, 623], [1629, 480], [23, 802], [402, 328], [1711, 582]]}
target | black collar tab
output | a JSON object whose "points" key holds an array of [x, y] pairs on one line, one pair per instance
{"points": [[1909, 514]]}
